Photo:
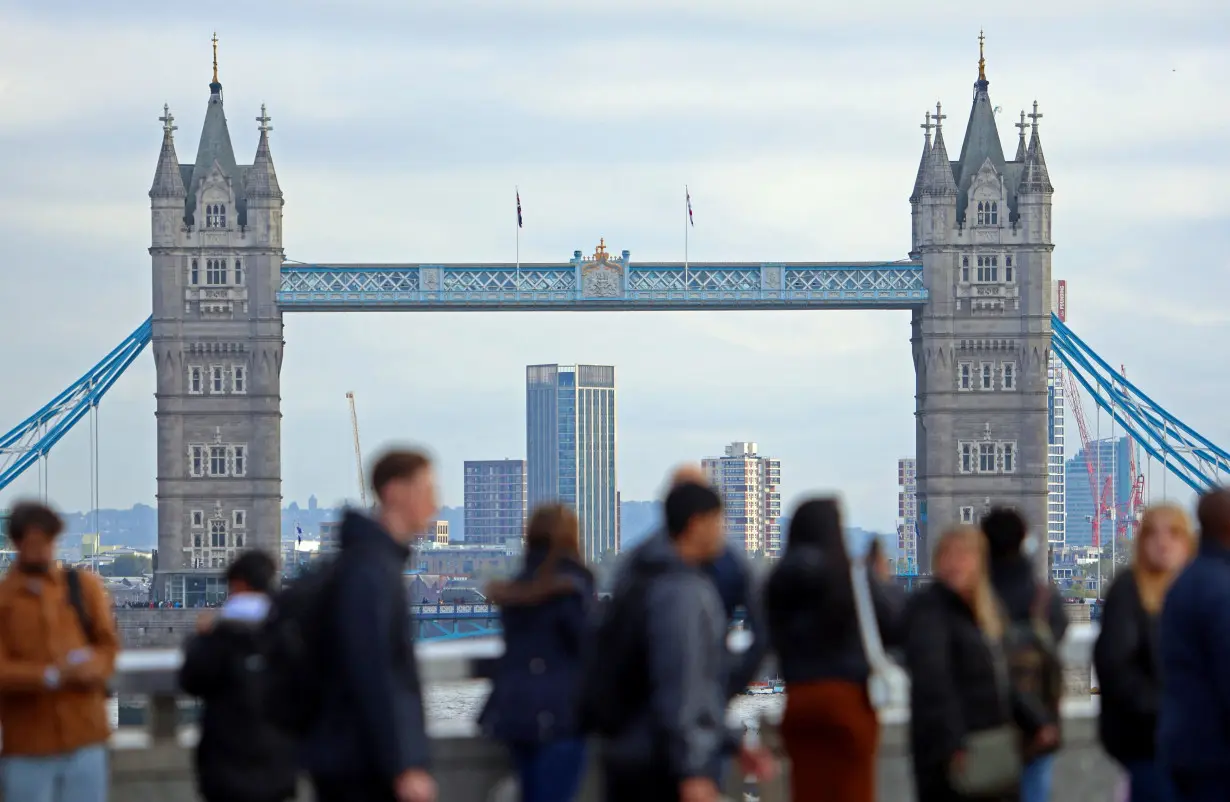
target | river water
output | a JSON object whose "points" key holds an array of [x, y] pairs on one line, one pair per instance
{"points": [[463, 701]]}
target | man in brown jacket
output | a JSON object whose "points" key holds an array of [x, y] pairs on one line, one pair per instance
{"points": [[57, 651]]}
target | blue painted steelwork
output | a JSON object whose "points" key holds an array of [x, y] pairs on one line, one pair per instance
{"points": [[1197, 461], [447, 612], [476, 633], [602, 282], [36, 435]]}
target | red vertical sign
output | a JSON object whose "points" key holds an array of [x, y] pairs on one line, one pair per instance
{"points": [[1061, 303]]}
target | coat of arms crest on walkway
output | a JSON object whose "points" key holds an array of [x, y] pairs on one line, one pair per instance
{"points": [[602, 276]]}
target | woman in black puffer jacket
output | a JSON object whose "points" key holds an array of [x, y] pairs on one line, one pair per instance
{"points": [[958, 682]]}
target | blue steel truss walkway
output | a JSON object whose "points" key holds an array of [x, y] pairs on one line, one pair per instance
{"points": [[601, 282]]}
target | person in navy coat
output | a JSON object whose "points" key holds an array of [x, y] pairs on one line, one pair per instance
{"points": [[534, 697]]}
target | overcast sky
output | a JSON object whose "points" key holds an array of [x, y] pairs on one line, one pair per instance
{"points": [[400, 130]]}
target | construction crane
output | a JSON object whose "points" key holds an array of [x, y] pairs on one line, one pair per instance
{"points": [[1126, 512], [358, 452]]}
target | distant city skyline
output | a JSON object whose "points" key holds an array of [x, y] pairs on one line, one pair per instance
{"points": [[653, 102]]}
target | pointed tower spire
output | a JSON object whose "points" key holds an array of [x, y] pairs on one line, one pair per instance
{"points": [[981, 135], [939, 174], [215, 87], [168, 183], [262, 181], [921, 179], [1034, 178], [1021, 147]]}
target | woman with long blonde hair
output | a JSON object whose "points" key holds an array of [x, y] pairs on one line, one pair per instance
{"points": [[959, 689], [1125, 654]]}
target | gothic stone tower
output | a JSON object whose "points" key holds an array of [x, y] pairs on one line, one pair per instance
{"points": [[217, 345], [982, 228]]}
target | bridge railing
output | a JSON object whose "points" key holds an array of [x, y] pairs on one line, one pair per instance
{"points": [[154, 761]]}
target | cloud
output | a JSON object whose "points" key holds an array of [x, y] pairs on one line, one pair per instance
{"points": [[401, 130]]}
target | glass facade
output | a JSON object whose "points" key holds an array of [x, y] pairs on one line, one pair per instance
{"points": [[494, 502], [571, 448], [1115, 463]]}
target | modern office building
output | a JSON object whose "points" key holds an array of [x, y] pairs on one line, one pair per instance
{"points": [[907, 516], [1056, 466], [571, 448], [1110, 462], [749, 485], [495, 502]]}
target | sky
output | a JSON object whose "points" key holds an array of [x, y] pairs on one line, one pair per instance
{"points": [[401, 130]]}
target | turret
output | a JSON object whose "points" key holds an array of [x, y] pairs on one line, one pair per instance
{"points": [[167, 192], [264, 195], [920, 181], [1035, 190]]}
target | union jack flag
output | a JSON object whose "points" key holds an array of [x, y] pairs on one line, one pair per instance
{"points": [[688, 195], [519, 223]]}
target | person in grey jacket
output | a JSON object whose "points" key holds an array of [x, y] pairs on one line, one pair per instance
{"points": [[671, 747], [731, 574]]}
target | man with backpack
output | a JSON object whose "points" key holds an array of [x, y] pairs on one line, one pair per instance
{"points": [[241, 756], [1036, 624], [657, 691], [368, 739], [58, 644]]}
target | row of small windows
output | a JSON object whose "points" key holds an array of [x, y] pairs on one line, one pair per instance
{"points": [[239, 519], [983, 376], [986, 457], [986, 270], [217, 379], [217, 460], [216, 274], [215, 215], [988, 213]]}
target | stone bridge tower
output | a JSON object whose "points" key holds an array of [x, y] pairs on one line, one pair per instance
{"points": [[217, 345], [982, 228]]}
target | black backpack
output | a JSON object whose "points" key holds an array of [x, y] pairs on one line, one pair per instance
{"points": [[615, 682], [295, 650]]}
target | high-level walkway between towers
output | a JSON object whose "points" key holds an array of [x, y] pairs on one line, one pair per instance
{"points": [[154, 762]]}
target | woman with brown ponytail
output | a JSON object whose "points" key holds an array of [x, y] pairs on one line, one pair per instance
{"points": [[1125, 654], [545, 616]]}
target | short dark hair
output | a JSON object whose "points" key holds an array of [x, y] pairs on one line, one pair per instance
{"points": [[685, 502], [1213, 513], [255, 568], [27, 516], [397, 465], [1005, 530]]}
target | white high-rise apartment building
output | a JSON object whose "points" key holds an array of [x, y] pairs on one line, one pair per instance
{"points": [[907, 515], [1056, 466], [749, 484]]}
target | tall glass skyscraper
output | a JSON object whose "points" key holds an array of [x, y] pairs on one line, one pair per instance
{"points": [[570, 446], [1114, 457]]}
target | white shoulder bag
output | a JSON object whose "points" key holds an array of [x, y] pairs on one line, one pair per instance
{"points": [[889, 685]]}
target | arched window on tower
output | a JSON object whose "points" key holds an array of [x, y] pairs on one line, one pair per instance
{"points": [[981, 215], [993, 214], [215, 215]]}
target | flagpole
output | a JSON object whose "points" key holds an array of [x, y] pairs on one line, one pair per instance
{"points": [[686, 196], [517, 286]]}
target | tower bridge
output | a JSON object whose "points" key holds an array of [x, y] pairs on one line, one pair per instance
{"points": [[977, 282]]}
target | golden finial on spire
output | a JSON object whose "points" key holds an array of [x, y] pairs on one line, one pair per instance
{"points": [[601, 252], [215, 41], [982, 60]]}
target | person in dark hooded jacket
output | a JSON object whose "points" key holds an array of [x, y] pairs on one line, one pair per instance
{"points": [[534, 695], [370, 742], [829, 729], [240, 756], [1037, 623]]}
